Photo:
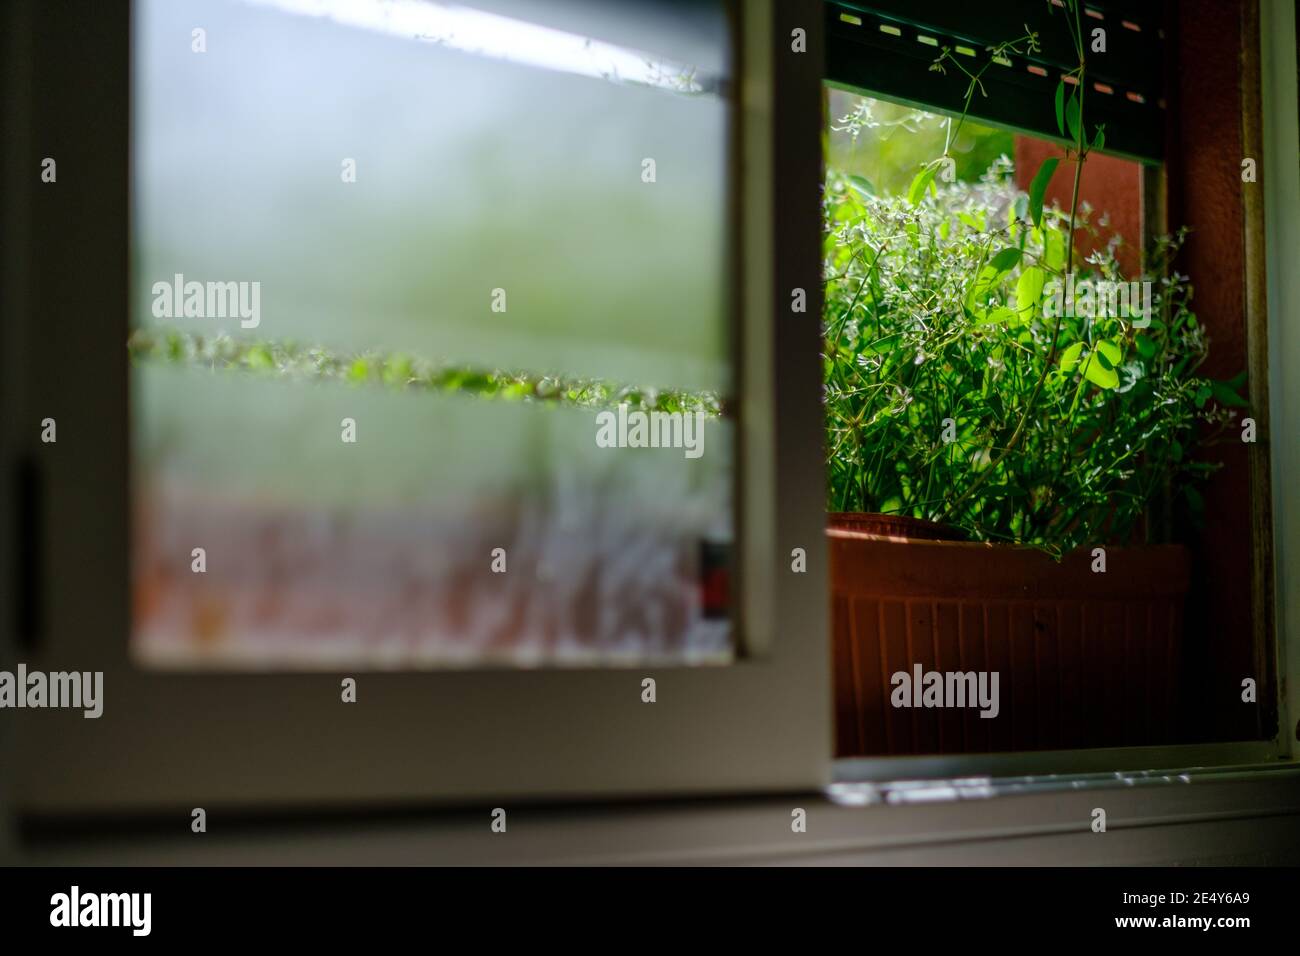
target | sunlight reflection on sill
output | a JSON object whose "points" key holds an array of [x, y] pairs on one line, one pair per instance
{"points": [[861, 794]]}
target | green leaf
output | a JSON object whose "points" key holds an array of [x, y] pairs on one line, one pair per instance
{"points": [[982, 287], [397, 370], [863, 185], [999, 316], [1060, 107], [1006, 260], [1029, 290], [1054, 249], [1072, 117], [1070, 357], [1100, 376], [920, 183], [1146, 348], [1099, 141], [1224, 395], [259, 357], [1018, 210], [1111, 354], [1038, 187]]}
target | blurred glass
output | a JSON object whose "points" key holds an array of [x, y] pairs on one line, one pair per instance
{"points": [[497, 162]]}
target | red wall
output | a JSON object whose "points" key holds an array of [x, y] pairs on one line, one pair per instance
{"points": [[1203, 161], [1203, 154], [1109, 185]]}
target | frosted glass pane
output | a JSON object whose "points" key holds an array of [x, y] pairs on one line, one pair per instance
{"points": [[350, 460], [319, 551], [472, 174]]}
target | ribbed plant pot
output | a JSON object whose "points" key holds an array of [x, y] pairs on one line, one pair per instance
{"points": [[1084, 658], [892, 526]]}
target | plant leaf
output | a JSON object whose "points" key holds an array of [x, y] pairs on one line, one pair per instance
{"points": [[1006, 260], [1070, 357], [920, 183], [1100, 376], [1224, 395], [863, 185], [984, 284], [1038, 187], [1110, 353], [1029, 290], [1072, 118], [1054, 249], [1060, 107], [1000, 316], [1018, 209], [259, 357]]}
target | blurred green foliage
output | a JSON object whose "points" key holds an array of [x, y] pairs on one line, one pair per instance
{"points": [[294, 361], [886, 144]]}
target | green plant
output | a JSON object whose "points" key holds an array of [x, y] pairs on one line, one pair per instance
{"points": [[295, 362], [958, 388]]}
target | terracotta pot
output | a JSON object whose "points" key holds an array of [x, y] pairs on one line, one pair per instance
{"points": [[892, 526], [1084, 658]]}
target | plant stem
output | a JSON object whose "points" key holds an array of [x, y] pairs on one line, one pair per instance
{"points": [[1080, 155]]}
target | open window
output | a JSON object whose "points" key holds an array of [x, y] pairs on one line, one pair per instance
{"points": [[463, 259], [421, 444], [1049, 488]]}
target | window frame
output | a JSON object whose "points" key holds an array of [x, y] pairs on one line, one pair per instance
{"points": [[1267, 127], [1279, 129], [171, 740], [762, 724]]}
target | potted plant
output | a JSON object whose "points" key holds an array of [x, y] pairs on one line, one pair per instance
{"points": [[1010, 433]]}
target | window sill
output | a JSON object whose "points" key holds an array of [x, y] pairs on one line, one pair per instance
{"points": [[1200, 816]]}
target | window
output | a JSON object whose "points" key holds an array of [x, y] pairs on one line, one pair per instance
{"points": [[199, 711], [960, 410], [219, 717], [412, 283]]}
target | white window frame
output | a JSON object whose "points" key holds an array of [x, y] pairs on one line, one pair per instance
{"points": [[211, 739]]}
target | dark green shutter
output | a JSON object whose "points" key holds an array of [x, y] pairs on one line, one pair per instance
{"points": [[894, 62]]}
